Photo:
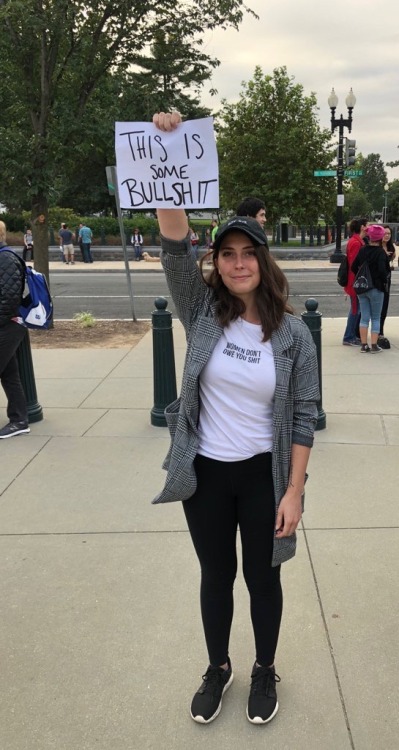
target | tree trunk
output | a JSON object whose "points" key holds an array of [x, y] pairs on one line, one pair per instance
{"points": [[39, 216]]}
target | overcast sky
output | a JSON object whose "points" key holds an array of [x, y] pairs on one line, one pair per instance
{"points": [[323, 44]]}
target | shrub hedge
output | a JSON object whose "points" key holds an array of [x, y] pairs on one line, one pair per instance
{"points": [[103, 227]]}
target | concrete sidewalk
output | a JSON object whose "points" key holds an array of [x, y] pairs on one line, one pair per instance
{"points": [[101, 636]]}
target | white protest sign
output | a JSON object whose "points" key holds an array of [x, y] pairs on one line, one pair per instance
{"points": [[167, 170]]}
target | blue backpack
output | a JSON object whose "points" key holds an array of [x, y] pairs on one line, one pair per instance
{"points": [[36, 309]]}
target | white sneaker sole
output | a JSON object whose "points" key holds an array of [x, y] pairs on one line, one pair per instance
{"points": [[200, 719], [12, 434], [259, 720]]}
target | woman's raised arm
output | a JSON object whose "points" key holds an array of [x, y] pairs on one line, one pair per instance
{"points": [[172, 221]]}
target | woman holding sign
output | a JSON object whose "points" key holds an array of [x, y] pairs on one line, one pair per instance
{"points": [[241, 433]]}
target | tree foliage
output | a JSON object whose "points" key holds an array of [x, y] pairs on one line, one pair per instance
{"points": [[62, 60], [373, 180], [356, 203], [393, 163], [269, 144], [393, 201]]}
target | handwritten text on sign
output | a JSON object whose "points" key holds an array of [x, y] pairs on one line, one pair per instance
{"points": [[167, 170]]}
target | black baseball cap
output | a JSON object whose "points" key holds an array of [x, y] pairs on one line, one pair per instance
{"points": [[245, 224]]}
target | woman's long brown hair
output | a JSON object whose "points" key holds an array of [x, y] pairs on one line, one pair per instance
{"points": [[271, 295]]}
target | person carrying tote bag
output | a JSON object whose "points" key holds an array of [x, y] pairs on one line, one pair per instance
{"points": [[374, 266]]}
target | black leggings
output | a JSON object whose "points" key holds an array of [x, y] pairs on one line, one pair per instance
{"points": [[229, 495], [385, 305]]}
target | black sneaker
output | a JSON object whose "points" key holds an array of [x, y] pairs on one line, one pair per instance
{"points": [[375, 348], [262, 701], [207, 702], [365, 349], [14, 428]]}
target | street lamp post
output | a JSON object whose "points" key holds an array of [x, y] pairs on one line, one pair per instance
{"points": [[385, 212], [340, 123]]}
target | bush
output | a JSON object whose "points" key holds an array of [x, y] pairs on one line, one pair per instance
{"points": [[85, 319], [102, 226], [13, 222]]}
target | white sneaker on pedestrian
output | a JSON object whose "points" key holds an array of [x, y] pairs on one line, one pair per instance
{"points": [[14, 428]]}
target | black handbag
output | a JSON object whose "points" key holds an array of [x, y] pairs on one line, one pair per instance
{"points": [[363, 281]]}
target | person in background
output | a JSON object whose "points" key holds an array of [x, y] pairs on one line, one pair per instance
{"points": [[357, 228], [67, 243], [214, 229], [12, 333], [28, 244], [372, 300], [86, 237], [253, 207], [194, 239], [61, 241], [390, 252], [137, 242], [79, 242], [241, 434]]}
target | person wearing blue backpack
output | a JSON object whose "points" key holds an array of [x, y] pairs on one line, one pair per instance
{"points": [[12, 332]]}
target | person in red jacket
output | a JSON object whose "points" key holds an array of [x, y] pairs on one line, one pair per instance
{"points": [[357, 228]]}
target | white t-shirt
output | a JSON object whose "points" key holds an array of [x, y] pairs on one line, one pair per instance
{"points": [[236, 389]]}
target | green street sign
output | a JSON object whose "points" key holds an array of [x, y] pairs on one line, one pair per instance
{"points": [[325, 173], [353, 172]]}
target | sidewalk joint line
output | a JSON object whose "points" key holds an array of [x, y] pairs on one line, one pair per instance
{"points": [[329, 642], [350, 528], [25, 466], [384, 429], [93, 533], [80, 406]]}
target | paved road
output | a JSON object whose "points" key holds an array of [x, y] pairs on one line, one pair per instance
{"points": [[106, 296]]}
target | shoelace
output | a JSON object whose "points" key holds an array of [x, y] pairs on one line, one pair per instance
{"points": [[212, 679], [264, 679]]}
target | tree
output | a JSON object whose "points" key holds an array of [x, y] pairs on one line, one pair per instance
{"points": [[356, 203], [269, 144], [55, 55], [393, 201], [373, 180], [173, 67], [129, 96], [393, 163]]}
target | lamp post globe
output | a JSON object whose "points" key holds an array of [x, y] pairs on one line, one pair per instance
{"points": [[333, 100]]}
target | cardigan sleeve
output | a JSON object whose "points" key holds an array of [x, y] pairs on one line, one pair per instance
{"points": [[185, 282], [306, 391]]}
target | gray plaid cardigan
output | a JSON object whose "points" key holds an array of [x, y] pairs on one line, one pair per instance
{"points": [[297, 386]]}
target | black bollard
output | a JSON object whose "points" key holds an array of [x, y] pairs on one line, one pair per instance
{"points": [[312, 318], [27, 375], [303, 236], [163, 362]]}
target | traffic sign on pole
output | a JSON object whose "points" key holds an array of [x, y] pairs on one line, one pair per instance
{"points": [[112, 182], [353, 172], [325, 173], [348, 173]]}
